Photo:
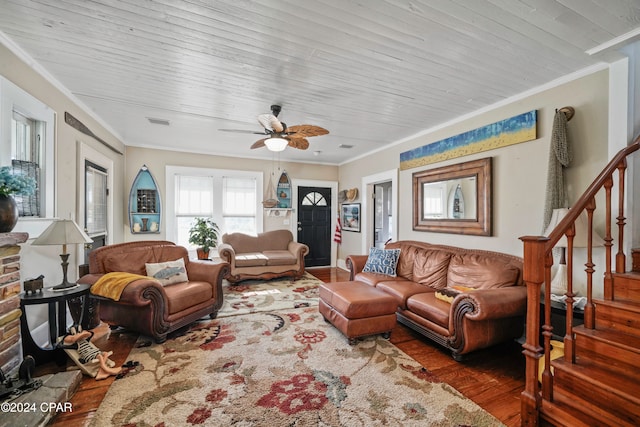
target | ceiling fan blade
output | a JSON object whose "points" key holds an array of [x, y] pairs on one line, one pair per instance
{"points": [[259, 143], [270, 122], [242, 131], [299, 143], [306, 131]]}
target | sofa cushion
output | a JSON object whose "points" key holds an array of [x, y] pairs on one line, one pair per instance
{"points": [[163, 253], [131, 261], [401, 289], [480, 271], [382, 261], [168, 272], [428, 306], [277, 240], [279, 257], [250, 259], [186, 295], [430, 268]]}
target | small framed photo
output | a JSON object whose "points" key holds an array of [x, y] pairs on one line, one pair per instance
{"points": [[350, 216]]}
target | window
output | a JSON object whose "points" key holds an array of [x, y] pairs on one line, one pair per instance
{"points": [[314, 199], [26, 145], [433, 201], [26, 137], [239, 205], [96, 199], [231, 198]]}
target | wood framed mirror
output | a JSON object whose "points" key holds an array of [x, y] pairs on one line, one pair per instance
{"points": [[454, 199]]}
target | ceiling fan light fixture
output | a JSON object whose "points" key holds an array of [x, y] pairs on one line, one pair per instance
{"points": [[276, 144]]}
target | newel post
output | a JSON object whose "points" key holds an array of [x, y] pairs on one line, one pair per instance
{"points": [[533, 276]]}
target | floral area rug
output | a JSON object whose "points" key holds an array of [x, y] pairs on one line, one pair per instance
{"points": [[284, 368], [252, 296]]}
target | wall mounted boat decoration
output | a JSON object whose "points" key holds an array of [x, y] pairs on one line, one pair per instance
{"points": [[145, 209]]}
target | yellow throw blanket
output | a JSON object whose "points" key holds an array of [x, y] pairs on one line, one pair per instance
{"points": [[111, 285]]}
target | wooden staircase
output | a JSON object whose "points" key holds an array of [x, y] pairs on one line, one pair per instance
{"points": [[597, 381]]}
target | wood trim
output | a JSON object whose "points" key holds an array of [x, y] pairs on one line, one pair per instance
{"points": [[79, 126]]}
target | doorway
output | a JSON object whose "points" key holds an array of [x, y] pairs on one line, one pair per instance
{"points": [[314, 224], [382, 215]]}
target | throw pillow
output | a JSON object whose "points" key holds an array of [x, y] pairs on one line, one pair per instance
{"points": [[168, 273], [382, 261]]}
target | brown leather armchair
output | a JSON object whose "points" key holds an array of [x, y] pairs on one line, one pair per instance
{"points": [[147, 307]]}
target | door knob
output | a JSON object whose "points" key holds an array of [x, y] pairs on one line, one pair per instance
{"points": [[299, 228]]}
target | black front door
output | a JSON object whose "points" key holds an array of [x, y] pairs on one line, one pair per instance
{"points": [[314, 224]]}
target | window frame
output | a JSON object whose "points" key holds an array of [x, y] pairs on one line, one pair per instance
{"points": [[13, 98], [171, 172]]}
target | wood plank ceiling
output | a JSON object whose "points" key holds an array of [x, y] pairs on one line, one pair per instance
{"points": [[371, 72]]}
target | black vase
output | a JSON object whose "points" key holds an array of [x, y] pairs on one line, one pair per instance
{"points": [[8, 213]]}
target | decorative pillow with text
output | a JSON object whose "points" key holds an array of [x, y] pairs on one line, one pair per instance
{"points": [[382, 261], [168, 273]]}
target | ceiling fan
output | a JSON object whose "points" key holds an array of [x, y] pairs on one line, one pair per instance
{"points": [[279, 135]]}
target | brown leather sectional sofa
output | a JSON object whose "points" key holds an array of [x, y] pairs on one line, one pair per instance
{"points": [[492, 311], [265, 256]]}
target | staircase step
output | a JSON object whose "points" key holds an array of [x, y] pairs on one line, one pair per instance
{"points": [[623, 316], [567, 410], [616, 345], [594, 389], [626, 286]]}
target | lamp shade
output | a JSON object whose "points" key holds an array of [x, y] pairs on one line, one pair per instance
{"points": [[62, 232], [581, 227], [276, 144]]}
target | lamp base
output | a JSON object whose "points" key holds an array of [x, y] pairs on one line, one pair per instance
{"points": [[559, 282]]}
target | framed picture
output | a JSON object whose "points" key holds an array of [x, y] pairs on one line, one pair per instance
{"points": [[350, 216]]}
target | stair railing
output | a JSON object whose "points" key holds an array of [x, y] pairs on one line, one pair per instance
{"points": [[538, 260]]}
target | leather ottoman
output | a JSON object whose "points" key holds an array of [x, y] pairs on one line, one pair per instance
{"points": [[357, 309]]}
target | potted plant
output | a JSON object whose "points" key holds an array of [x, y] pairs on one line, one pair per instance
{"points": [[12, 183], [204, 234]]}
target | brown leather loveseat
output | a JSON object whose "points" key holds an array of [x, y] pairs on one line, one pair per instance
{"points": [[145, 305], [485, 292], [265, 256]]}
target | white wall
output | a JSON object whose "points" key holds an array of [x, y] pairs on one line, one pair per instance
{"points": [[157, 160], [519, 171]]}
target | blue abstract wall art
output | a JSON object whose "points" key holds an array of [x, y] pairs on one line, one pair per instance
{"points": [[506, 132]]}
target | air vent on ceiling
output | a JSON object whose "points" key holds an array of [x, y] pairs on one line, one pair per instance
{"points": [[163, 122], [345, 146]]}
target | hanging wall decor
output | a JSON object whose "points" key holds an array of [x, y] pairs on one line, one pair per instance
{"points": [[506, 132], [144, 203], [283, 191]]}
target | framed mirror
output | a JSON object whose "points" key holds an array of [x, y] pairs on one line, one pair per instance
{"points": [[454, 199]]}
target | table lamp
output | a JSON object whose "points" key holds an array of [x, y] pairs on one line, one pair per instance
{"points": [[62, 232], [559, 281]]}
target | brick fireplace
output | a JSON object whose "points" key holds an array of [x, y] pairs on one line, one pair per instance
{"points": [[10, 348]]}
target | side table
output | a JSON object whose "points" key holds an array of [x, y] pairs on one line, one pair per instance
{"points": [[57, 305]]}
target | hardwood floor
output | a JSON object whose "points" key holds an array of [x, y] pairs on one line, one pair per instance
{"points": [[493, 378]]}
